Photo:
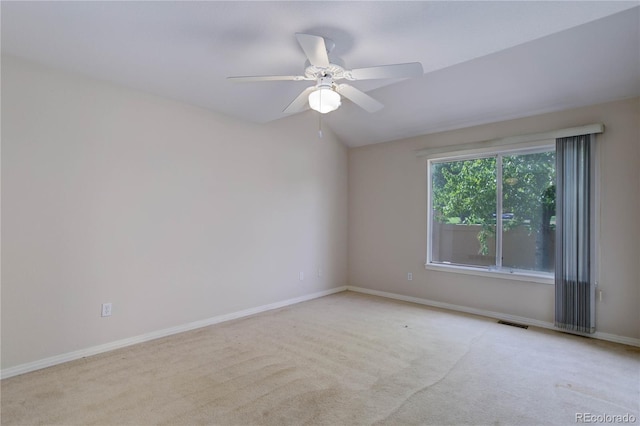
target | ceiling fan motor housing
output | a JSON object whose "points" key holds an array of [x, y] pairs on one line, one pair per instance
{"points": [[325, 82], [334, 70]]}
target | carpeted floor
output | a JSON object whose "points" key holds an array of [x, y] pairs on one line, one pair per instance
{"points": [[345, 359]]}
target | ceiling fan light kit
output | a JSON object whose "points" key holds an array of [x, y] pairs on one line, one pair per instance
{"points": [[324, 99], [325, 96]]}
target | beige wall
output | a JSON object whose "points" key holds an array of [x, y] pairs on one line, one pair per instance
{"points": [[387, 221], [175, 214], [172, 213]]}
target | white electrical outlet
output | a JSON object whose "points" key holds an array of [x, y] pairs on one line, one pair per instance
{"points": [[106, 309], [301, 276], [409, 276]]}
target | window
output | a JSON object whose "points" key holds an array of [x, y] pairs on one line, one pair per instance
{"points": [[465, 194]]}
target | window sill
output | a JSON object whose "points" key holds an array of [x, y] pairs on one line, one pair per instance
{"points": [[481, 272]]}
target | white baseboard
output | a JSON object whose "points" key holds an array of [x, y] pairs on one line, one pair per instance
{"points": [[616, 338], [497, 315], [82, 353], [71, 356]]}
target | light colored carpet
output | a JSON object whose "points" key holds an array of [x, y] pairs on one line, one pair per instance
{"points": [[345, 359]]}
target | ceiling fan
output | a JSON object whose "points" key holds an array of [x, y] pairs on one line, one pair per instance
{"points": [[325, 95]]}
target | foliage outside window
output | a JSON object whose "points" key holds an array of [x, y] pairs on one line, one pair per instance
{"points": [[466, 193]]}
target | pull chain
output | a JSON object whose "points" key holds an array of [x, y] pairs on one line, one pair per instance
{"points": [[320, 119]]}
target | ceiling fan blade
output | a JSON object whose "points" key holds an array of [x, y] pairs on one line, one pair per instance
{"points": [[251, 78], [315, 49], [412, 69], [359, 98], [299, 102]]}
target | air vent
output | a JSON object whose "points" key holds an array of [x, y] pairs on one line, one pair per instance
{"points": [[513, 324]]}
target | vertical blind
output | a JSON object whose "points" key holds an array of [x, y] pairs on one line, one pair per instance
{"points": [[574, 274]]}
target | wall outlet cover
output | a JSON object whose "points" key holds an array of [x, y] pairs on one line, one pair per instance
{"points": [[106, 310]]}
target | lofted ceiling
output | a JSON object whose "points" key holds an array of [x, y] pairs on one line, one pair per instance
{"points": [[483, 61]]}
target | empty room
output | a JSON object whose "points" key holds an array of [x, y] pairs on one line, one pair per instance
{"points": [[318, 212]]}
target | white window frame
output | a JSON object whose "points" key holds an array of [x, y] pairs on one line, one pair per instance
{"points": [[484, 152]]}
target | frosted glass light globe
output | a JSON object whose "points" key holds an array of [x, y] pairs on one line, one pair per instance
{"points": [[324, 100]]}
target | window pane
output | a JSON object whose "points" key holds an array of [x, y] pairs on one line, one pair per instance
{"points": [[528, 211], [463, 212]]}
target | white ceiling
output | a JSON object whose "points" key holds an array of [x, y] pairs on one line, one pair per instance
{"points": [[483, 61]]}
